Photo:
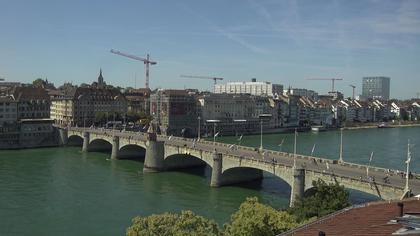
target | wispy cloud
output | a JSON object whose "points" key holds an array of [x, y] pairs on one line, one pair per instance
{"points": [[228, 33]]}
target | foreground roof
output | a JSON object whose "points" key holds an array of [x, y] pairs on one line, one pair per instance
{"points": [[376, 218]]}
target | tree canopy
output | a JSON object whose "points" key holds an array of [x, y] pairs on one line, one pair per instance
{"points": [[168, 224], [254, 218], [326, 199]]}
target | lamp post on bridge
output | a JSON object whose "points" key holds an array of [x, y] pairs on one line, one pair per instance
{"points": [[238, 121], [262, 118], [340, 160], [294, 150], [199, 128], [407, 189], [214, 130]]}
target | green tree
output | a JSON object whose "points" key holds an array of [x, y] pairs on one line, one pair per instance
{"points": [[38, 83], [325, 199], [168, 224], [254, 218]]}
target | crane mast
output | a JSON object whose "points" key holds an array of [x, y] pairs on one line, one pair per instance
{"points": [[331, 79], [146, 62], [354, 87]]}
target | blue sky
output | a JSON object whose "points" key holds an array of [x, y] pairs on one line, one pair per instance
{"points": [[272, 40]]}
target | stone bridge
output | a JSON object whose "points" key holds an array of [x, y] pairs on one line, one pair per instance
{"points": [[233, 164]]}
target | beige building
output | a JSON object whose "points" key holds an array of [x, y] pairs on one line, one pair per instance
{"points": [[82, 106]]}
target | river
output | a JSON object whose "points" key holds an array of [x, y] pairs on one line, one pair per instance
{"points": [[62, 191]]}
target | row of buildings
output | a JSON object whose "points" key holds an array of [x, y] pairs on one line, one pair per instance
{"points": [[238, 107], [182, 112]]}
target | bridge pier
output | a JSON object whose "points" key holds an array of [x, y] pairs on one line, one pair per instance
{"points": [[63, 137], [115, 147], [216, 172], [155, 154], [298, 187], [85, 141]]}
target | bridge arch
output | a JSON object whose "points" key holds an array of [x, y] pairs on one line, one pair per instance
{"points": [[183, 160], [99, 145], [75, 140], [132, 151]]}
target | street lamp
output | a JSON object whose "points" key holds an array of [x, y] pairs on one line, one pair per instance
{"points": [[262, 118], [214, 130], [199, 128], [341, 146], [294, 149], [281, 145], [406, 189], [370, 160], [238, 121]]}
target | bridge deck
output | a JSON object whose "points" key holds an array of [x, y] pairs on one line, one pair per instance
{"points": [[314, 164]]}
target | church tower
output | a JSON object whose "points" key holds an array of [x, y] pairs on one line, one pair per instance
{"points": [[101, 82]]}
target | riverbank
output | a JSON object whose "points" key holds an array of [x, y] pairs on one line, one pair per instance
{"points": [[373, 126]]}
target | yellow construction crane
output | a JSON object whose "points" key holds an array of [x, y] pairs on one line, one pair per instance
{"points": [[331, 79]]}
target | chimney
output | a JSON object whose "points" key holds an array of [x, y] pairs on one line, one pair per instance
{"points": [[321, 233], [254, 80], [401, 208]]}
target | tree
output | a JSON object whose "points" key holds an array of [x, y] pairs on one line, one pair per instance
{"points": [[38, 83], [187, 223], [254, 218], [325, 199]]}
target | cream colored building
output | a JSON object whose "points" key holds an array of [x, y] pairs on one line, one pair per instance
{"points": [[80, 106]]}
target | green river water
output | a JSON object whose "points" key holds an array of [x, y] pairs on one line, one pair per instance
{"points": [[62, 191]]}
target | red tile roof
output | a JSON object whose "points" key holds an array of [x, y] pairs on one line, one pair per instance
{"points": [[369, 219]]}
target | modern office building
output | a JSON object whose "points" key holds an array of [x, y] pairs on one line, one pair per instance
{"points": [[253, 88], [376, 87]]}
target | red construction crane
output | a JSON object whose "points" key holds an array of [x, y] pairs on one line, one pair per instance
{"points": [[146, 62], [215, 79], [354, 87], [332, 80]]}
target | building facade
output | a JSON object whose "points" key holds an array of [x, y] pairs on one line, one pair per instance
{"points": [[138, 101], [32, 103], [87, 106], [175, 112], [253, 88], [376, 87]]}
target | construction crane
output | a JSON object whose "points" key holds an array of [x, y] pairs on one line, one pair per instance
{"points": [[215, 79], [354, 87], [332, 80], [146, 62]]}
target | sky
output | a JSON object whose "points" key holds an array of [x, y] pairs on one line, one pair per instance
{"points": [[280, 41]]}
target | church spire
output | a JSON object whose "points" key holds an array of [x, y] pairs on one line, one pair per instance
{"points": [[100, 78]]}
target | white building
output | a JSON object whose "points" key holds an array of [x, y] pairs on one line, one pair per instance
{"points": [[302, 92], [253, 88]]}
